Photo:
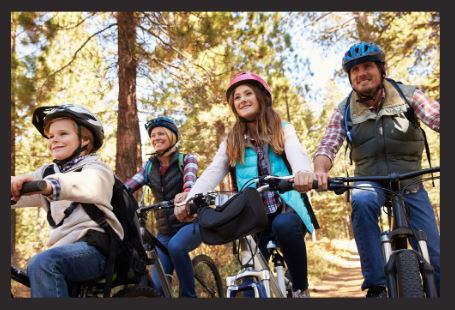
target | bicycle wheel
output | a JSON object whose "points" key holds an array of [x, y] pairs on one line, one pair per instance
{"points": [[138, 291], [207, 278], [408, 275]]}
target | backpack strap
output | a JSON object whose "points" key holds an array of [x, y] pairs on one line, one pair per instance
{"points": [[148, 167], [48, 171], [114, 241], [412, 117], [181, 162]]}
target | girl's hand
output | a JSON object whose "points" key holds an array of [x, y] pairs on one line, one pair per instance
{"points": [[303, 181]]}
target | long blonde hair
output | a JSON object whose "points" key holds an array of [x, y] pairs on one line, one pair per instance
{"points": [[268, 128]]}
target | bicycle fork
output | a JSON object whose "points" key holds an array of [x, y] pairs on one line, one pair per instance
{"points": [[426, 269], [255, 266]]}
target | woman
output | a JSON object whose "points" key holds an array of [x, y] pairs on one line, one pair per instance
{"points": [[260, 144], [74, 135], [164, 174]]}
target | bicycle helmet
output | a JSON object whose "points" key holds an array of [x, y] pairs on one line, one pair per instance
{"points": [[362, 52], [243, 77], [162, 121], [82, 116]]}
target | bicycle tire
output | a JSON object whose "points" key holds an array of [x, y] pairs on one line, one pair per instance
{"points": [[208, 283], [138, 291], [408, 275]]}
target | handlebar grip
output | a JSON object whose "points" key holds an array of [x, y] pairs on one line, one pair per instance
{"points": [[33, 186], [315, 184], [285, 186]]}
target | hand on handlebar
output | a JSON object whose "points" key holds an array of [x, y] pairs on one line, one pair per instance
{"points": [[182, 212], [303, 181], [17, 184], [322, 178]]}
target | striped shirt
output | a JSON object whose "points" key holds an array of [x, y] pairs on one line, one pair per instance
{"points": [[426, 109], [189, 174]]}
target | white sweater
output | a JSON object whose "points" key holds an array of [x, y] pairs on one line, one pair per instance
{"points": [[93, 184], [296, 154]]}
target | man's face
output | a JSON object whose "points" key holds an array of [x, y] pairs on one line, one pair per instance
{"points": [[366, 78]]}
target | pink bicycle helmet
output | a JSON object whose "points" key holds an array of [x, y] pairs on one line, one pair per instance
{"points": [[243, 77]]}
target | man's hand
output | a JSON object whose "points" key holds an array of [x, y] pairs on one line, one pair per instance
{"points": [[322, 165]]}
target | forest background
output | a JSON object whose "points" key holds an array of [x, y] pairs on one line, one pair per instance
{"points": [[128, 67]]}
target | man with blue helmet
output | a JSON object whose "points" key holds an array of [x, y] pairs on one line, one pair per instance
{"points": [[384, 138]]}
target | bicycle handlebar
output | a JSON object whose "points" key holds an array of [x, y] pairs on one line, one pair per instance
{"points": [[388, 178], [30, 187]]}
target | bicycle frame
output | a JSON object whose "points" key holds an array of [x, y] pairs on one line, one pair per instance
{"points": [[255, 266]]}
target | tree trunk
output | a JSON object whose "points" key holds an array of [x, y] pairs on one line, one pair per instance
{"points": [[128, 156]]}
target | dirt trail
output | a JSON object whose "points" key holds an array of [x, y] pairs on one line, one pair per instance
{"points": [[347, 279]]}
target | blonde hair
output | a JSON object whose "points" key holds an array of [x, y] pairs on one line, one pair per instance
{"points": [[172, 141], [84, 134], [268, 128]]}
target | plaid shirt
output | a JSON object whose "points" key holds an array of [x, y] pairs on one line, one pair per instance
{"points": [[56, 187], [189, 175], [426, 109], [271, 199]]}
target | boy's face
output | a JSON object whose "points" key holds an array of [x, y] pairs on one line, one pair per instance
{"points": [[63, 139]]}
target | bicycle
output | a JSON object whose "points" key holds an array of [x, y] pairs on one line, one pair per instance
{"points": [[208, 280], [409, 272], [95, 287], [255, 274]]}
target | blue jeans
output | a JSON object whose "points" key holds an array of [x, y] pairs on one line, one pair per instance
{"points": [[179, 244], [366, 209], [50, 271], [288, 230]]}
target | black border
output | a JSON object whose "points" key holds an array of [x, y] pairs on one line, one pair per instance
{"points": [[235, 5]]}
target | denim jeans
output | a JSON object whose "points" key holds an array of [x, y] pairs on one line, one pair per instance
{"points": [[50, 271], [288, 230], [186, 239], [366, 209]]}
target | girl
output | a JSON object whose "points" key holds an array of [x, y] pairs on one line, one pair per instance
{"points": [[260, 144]]}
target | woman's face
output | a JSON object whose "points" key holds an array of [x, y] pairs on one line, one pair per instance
{"points": [[245, 102], [63, 139], [159, 139]]}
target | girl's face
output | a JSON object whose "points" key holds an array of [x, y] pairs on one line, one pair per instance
{"points": [[159, 139], [245, 102], [63, 139]]}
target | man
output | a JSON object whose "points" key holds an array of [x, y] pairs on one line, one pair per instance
{"points": [[383, 139]]}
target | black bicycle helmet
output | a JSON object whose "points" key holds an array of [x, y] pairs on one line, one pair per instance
{"points": [[82, 116]]}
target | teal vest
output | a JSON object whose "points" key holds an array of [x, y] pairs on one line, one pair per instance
{"points": [[249, 169]]}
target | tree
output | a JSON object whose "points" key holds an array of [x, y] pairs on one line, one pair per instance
{"points": [[128, 137]]}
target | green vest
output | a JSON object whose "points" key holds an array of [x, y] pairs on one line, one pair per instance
{"points": [[385, 142]]}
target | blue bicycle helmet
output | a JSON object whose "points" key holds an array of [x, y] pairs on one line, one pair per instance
{"points": [[362, 52], [162, 121]]}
